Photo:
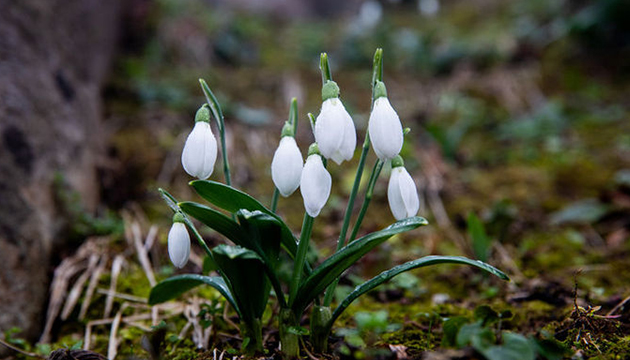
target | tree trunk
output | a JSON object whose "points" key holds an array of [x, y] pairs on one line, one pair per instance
{"points": [[54, 55]]}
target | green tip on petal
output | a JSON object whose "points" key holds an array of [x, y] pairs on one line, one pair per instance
{"points": [[397, 161], [313, 149], [178, 218], [380, 90], [287, 129], [330, 90], [203, 114]]}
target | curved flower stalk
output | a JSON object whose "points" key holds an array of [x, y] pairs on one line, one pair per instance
{"points": [[315, 182], [385, 129], [178, 242], [401, 191], [287, 163], [334, 129], [200, 150]]}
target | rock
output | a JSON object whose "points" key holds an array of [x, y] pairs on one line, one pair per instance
{"points": [[54, 56]]}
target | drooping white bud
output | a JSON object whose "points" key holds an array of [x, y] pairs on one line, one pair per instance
{"points": [[334, 129], [401, 192], [178, 244], [286, 166], [386, 132], [200, 150], [315, 184]]}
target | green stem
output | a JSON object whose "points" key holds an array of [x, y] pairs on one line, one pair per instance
{"points": [[341, 242], [274, 200], [293, 115], [300, 256], [215, 107], [325, 68], [376, 170]]}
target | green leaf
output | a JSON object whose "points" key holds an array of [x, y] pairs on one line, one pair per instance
{"points": [[475, 333], [413, 264], [451, 328], [334, 266], [247, 279], [481, 243], [486, 315], [175, 286], [550, 349], [215, 220], [233, 200], [514, 347]]}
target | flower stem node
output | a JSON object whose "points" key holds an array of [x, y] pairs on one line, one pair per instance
{"points": [[286, 166], [385, 129], [200, 149], [330, 90], [401, 191], [203, 114], [315, 184], [335, 132], [178, 242], [380, 90]]}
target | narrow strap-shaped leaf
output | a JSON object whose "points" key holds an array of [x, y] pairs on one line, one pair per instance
{"points": [[216, 221], [232, 200], [413, 264], [175, 286], [335, 265]]}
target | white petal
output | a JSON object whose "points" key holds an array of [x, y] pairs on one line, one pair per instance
{"points": [[349, 142], [386, 132], [200, 151], [286, 166], [178, 244], [402, 194], [315, 185], [334, 131]]}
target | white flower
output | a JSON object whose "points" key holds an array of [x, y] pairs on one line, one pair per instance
{"points": [[334, 131], [315, 185], [402, 194], [178, 244], [200, 151], [386, 132], [286, 166]]}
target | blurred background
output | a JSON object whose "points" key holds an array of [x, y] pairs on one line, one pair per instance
{"points": [[518, 113]]}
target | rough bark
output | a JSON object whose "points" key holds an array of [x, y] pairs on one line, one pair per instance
{"points": [[54, 55]]}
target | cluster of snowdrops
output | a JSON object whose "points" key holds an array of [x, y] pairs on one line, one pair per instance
{"points": [[248, 271]]}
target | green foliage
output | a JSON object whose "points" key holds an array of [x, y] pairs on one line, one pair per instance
{"points": [[484, 334], [481, 243]]}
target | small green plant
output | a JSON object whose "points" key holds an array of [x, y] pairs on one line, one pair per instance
{"points": [[249, 270], [484, 333]]}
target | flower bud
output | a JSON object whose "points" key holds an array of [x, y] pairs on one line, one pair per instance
{"points": [[315, 184], [178, 242], [334, 129], [200, 150], [385, 129], [286, 166], [401, 192]]}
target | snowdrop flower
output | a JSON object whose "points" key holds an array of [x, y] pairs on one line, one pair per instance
{"points": [[178, 242], [334, 130], [287, 163], [315, 183], [401, 191], [385, 129], [200, 150]]}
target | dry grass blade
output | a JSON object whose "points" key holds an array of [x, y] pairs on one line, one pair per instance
{"points": [[89, 293], [116, 268], [143, 256], [77, 288], [112, 348]]}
